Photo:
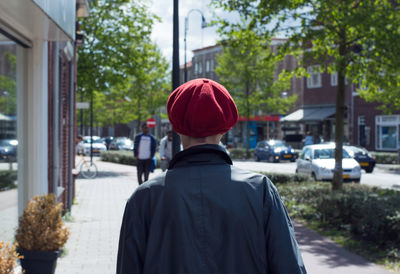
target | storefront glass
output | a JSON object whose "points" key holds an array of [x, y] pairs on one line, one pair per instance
{"points": [[8, 139], [389, 137]]}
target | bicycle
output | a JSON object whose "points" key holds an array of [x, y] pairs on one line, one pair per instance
{"points": [[86, 169]]}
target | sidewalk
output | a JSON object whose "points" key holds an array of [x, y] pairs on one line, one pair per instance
{"points": [[93, 243]]}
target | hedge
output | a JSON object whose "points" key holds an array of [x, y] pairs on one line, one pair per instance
{"points": [[386, 157], [7, 179], [370, 213], [240, 153], [121, 157], [282, 178]]}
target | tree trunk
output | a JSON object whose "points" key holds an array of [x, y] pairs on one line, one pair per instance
{"points": [[339, 117]]}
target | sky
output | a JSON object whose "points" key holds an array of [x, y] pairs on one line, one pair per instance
{"points": [[196, 36]]}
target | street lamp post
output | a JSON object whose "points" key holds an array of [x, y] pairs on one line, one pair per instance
{"points": [[203, 25]]}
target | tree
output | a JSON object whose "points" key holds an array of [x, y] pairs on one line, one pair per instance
{"points": [[247, 67], [357, 39], [118, 63], [8, 98]]}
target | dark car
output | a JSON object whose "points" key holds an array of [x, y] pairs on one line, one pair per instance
{"points": [[8, 150], [107, 141], [362, 156], [121, 143], [274, 151]]}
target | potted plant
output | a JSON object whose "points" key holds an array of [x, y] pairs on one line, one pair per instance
{"points": [[8, 258], [41, 235]]}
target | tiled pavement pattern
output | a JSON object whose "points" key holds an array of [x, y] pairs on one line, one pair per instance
{"points": [[97, 213], [8, 214]]}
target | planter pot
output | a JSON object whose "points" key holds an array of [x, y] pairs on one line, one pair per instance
{"points": [[39, 262]]}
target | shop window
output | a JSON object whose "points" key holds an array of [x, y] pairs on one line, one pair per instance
{"points": [[334, 79], [314, 81], [389, 137], [8, 133]]}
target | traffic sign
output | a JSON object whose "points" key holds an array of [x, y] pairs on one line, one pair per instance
{"points": [[151, 122]]}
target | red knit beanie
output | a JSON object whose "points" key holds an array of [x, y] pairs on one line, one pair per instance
{"points": [[201, 108]]}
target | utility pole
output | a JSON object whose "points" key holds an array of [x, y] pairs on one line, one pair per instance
{"points": [[175, 68]]}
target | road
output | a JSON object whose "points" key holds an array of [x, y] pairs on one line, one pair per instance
{"points": [[380, 177]]}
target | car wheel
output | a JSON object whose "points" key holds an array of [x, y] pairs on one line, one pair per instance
{"points": [[293, 160], [257, 158], [369, 169], [270, 158], [357, 180]]}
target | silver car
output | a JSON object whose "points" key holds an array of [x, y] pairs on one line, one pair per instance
{"points": [[318, 161]]}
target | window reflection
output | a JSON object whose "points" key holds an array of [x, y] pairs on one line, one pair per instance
{"points": [[8, 139]]}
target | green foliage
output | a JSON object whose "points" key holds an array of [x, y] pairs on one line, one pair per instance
{"points": [[7, 179], [122, 157], [370, 213], [386, 157], [284, 178], [357, 39], [240, 153], [247, 68], [8, 99], [119, 64]]}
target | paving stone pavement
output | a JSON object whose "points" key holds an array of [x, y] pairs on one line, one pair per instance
{"points": [[97, 213], [8, 214]]}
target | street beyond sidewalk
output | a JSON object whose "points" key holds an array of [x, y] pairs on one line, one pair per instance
{"points": [[97, 214]]}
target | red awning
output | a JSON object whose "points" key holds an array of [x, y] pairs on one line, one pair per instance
{"points": [[265, 118]]}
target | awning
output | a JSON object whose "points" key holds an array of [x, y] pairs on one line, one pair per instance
{"points": [[309, 114]]}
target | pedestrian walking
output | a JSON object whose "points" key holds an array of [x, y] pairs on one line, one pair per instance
{"points": [[144, 149], [166, 150], [204, 215]]}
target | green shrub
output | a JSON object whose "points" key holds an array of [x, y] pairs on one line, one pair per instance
{"points": [[121, 157], [283, 178], [386, 157], [366, 212], [240, 153], [7, 179]]}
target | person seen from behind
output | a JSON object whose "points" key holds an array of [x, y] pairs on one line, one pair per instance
{"points": [[144, 149], [166, 150], [204, 215]]}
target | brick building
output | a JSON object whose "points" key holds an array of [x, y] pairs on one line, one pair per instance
{"points": [[262, 125], [38, 80], [314, 110]]}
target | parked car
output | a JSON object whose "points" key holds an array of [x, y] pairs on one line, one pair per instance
{"points": [[274, 151], [98, 145], [8, 150], [121, 143], [362, 156], [318, 161], [107, 141]]}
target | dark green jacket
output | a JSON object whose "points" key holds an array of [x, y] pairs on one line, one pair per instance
{"points": [[205, 216]]}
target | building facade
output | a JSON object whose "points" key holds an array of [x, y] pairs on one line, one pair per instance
{"points": [[37, 96], [261, 125], [313, 112]]}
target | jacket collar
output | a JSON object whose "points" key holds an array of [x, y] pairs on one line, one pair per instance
{"points": [[201, 154]]}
